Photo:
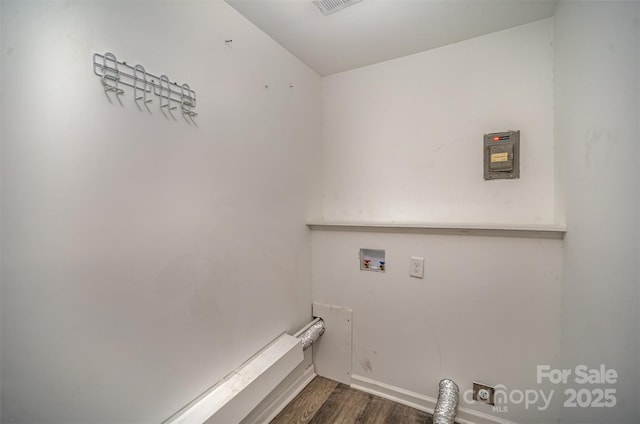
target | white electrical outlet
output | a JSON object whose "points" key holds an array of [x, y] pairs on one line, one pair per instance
{"points": [[416, 267]]}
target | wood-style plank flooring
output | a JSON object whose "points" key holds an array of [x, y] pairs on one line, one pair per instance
{"points": [[325, 401]]}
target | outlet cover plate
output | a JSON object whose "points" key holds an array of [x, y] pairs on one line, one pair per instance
{"points": [[416, 267], [483, 393]]}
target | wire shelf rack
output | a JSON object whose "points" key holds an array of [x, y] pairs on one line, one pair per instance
{"points": [[115, 75]]}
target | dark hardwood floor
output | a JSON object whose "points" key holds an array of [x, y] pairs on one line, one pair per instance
{"points": [[325, 401]]}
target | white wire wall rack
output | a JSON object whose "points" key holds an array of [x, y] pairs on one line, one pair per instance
{"points": [[115, 74]]}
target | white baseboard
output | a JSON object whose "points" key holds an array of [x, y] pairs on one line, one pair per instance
{"points": [[269, 412], [395, 394], [420, 402]]}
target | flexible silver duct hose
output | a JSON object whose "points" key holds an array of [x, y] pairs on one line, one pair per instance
{"points": [[312, 334], [445, 412]]}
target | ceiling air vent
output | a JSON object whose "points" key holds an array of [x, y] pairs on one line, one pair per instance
{"points": [[330, 6]]}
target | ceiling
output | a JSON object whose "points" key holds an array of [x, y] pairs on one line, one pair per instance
{"points": [[373, 31]]}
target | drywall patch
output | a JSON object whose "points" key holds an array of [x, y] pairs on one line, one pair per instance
{"points": [[332, 352]]}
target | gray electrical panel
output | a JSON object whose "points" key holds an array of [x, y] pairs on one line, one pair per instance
{"points": [[502, 155]]}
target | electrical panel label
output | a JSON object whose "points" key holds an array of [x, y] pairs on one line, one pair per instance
{"points": [[500, 157]]}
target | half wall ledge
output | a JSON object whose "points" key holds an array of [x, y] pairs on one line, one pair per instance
{"points": [[552, 231]]}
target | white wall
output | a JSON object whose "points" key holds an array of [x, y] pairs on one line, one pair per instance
{"points": [[488, 309], [403, 142], [597, 114], [403, 139], [145, 258]]}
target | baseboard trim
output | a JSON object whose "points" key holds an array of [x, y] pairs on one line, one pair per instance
{"points": [[420, 402], [395, 394], [282, 400]]}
